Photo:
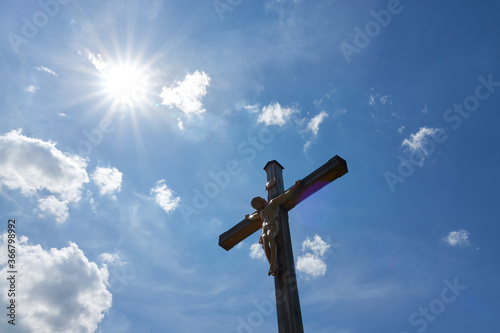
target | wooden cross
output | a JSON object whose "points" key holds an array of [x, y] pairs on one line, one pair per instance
{"points": [[285, 282]]}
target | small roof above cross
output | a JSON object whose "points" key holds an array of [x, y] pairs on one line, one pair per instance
{"points": [[274, 162]]}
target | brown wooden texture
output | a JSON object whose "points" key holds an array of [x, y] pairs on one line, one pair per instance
{"points": [[285, 282], [335, 168], [238, 233]]}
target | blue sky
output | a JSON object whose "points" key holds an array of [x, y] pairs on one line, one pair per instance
{"points": [[132, 134]]}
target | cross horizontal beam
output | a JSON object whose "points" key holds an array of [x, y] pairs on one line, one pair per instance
{"points": [[335, 168]]}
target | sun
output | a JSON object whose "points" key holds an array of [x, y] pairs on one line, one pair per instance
{"points": [[125, 84]]}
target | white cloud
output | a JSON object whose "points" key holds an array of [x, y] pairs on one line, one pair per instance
{"points": [[316, 245], [165, 196], [51, 205], [108, 180], [307, 145], [384, 99], [417, 140], [313, 124], [377, 98], [59, 289], [311, 265], [112, 259], [186, 95], [371, 100], [401, 129], [45, 69], [91, 201], [96, 60], [275, 114], [32, 165], [425, 110], [31, 88], [252, 108], [457, 238], [256, 251]]}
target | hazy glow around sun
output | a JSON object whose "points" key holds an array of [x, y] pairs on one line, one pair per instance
{"points": [[125, 83]]}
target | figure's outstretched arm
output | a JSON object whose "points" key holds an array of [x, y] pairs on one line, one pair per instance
{"points": [[254, 216], [279, 199]]}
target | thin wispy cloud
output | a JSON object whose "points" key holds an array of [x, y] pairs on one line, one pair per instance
{"points": [[420, 143], [313, 124], [180, 124], [338, 112], [255, 108], [31, 88], [371, 100], [375, 99], [417, 141], [457, 238], [313, 127], [307, 145], [45, 69], [112, 259], [96, 60]]}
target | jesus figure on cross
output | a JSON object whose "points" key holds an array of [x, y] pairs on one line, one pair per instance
{"points": [[268, 212]]}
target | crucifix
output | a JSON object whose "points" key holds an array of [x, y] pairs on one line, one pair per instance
{"points": [[272, 217]]}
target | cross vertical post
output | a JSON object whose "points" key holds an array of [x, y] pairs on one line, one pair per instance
{"points": [[285, 282]]}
